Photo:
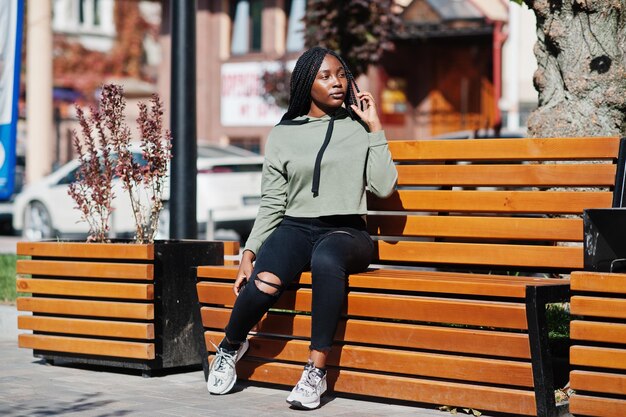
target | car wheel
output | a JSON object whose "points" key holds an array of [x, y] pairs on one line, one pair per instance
{"points": [[37, 222]]}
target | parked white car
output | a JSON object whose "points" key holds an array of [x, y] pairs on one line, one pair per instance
{"points": [[228, 195]]}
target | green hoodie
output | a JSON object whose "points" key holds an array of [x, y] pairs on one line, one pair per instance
{"points": [[353, 160]]}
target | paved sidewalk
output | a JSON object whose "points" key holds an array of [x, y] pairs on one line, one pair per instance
{"points": [[31, 388]]}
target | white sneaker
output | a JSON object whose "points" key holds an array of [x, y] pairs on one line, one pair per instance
{"points": [[307, 392], [222, 372]]}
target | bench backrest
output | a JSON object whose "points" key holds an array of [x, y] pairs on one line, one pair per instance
{"points": [[503, 204]]}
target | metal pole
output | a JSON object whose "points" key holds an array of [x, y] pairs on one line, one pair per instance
{"points": [[183, 221]]}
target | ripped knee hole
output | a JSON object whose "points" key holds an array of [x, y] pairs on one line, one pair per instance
{"points": [[269, 283]]}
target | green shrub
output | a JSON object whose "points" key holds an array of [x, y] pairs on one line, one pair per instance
{"points": [[558, 318], [7, 278]]}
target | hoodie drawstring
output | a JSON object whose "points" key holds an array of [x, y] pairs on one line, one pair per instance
{"points": [[318, 161]]}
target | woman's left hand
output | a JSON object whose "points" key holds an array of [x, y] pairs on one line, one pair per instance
{"points": [[369, 115]]}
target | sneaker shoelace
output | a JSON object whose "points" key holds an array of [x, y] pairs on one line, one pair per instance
{"points": [[309, 381], [224, 359]]}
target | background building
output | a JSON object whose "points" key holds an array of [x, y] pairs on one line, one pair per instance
{"points": [[450, 70], [93, 42], [460, 65], [448, 62]]}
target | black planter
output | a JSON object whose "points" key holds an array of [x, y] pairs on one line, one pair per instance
{"points": [[604, 243]]}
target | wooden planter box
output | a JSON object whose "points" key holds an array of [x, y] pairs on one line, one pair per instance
{"points": [[113, 304]]}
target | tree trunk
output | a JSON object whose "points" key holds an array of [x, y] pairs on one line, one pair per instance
{"points": [[581, 75]]}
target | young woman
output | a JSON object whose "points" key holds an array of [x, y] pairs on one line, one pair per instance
{"points": [[319, 160]]}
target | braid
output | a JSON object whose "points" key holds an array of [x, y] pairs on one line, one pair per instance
{"points": [[302, 78]]}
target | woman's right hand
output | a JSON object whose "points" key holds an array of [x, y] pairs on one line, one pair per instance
{"points": [[244, 272]]}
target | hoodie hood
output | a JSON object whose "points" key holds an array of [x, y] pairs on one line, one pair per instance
{"points": [[341, 113]]}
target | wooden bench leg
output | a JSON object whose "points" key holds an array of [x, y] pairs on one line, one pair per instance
{"points": [[536, 299]]}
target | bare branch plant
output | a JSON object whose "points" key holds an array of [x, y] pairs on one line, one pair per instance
{"points": [[92, 191], [144, 182]]}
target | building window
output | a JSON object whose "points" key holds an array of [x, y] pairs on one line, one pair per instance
{"points": [[247, 16], [81, 12], [295, 25], [96, 13], [82, 15], [89, 13], [250, 143], [90, 21]]}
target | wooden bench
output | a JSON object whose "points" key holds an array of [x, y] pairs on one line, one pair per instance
{"points": [[598, 352], [453, 312]]}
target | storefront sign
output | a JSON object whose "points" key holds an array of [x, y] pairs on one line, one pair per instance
{"points": [[242, 101]]}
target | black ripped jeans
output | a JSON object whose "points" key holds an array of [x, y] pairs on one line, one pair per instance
{"points": [[331, 247]]}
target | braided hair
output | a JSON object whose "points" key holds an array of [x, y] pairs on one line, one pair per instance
{"points": [[302, 78]]}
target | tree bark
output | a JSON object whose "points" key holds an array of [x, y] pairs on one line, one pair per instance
{"points": [[581, 75]]}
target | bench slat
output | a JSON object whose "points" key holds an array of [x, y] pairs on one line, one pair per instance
{"points": [[80, 250], [544, 149], [598, 382], [447, 339], [439, 310], [217, 271], [594, 406], [521, 228], [481, 254], [86, 288], [538, 175], [231, 247], [598, 307], [479, 286], [402, 388], [423, 281], [598, 332], [86, 269], [543, 202], [597, 356], [599, 281], [127, 330], [86, 346], [428, 309], [429, 281], [395, 361], [142, 311], [388, 277], [511, 280]]}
